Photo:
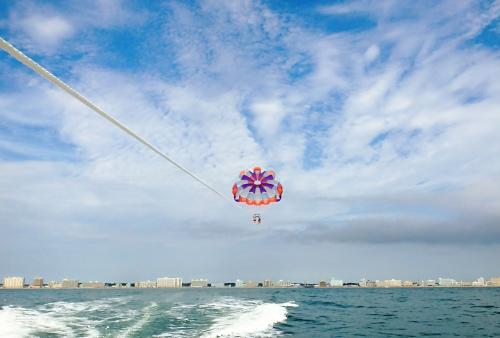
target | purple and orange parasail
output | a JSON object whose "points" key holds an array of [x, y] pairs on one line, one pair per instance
{"points": [[257, 188]]}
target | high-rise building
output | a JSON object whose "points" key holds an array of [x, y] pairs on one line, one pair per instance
{"points": [[13, 282], [37, 283], [69, 283], [199, 283], [169, 282]]}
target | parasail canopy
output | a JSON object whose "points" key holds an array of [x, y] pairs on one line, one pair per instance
{"points": [[257, 187]]}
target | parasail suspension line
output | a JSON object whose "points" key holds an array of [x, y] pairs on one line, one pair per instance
{"points": [[27, 61]]}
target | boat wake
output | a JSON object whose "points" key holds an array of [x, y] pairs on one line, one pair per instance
{"points": [[247, 318], [128, 316], [65, 319]]}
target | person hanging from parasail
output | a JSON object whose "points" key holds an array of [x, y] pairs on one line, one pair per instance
{"points": [[257, 188]]}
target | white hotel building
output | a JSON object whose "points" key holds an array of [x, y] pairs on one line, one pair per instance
{"points": [[13, 282], [169, 282]]}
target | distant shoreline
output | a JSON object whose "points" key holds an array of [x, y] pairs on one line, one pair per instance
{"points": [[264, 288]]}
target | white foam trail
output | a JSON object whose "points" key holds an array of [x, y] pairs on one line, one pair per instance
{"points": [[290, 304], [20, 322], [66, 319], [88, 306], [147, 312], [247, 318], [10, 323]]}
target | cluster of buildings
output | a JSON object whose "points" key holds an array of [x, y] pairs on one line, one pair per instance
{"points": [[440, 282], [176, 282]]}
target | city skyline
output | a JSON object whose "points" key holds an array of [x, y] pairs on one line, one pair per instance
{"points": [[381, 126], [179, 282]]}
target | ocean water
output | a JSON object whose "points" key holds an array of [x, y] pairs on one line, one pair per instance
{"points": [[467, 312]]}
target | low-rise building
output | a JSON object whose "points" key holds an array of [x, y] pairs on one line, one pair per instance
{"points": [[13, 282], [250, 284], [429, 283], [199, 283], [366, 283], [479, 282], [268, 283], [92, 285], [389, 283], [446, 282], [322, 284], [55, 284], [282, 284], [145, 284], [407, 284], [116, 285]]}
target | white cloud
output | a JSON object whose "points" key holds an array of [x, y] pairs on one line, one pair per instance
{"points": [[371, 53], [268, 116], [43, 29], [403, 116], [50, 30], [346, 8]]}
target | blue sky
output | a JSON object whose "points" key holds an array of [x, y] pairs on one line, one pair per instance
{"points": [[380, 118]]}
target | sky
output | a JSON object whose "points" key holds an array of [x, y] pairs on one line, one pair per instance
{"points": [[380, 118]]}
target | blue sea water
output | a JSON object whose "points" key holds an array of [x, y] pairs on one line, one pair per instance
{"points": [[464, 312]]}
